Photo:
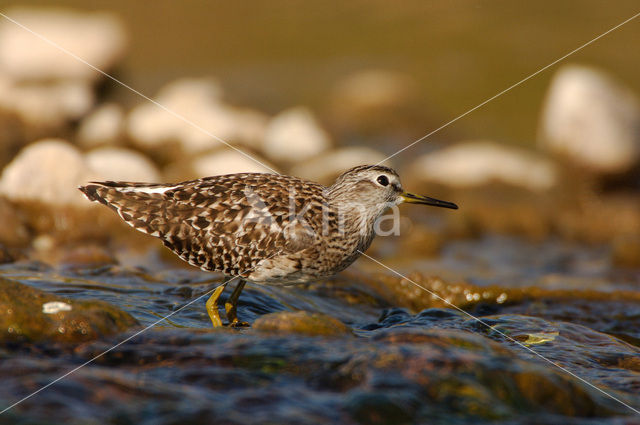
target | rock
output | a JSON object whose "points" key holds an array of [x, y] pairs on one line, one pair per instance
{"points": [[88, 256], [326, 167], [103, 126], [626, 250], [14, 231], [45, 107], [301, 322], [47, 171], [372, 89], [96, 37], [229, 161], [294, 135], [121, 164], [29, 315], [591, 120], [477, 163], [198, 121]]}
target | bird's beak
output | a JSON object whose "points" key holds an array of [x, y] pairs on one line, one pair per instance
{"points": [[410, 198]]}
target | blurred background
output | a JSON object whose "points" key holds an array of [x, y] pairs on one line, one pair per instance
{"points": [[547, 176]]}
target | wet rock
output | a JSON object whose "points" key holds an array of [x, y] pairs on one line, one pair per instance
{"points": [[103, 126], [96, 37], [47, 171], [121, 164], [301, 322], [84, 257], [230, 161], [294, 135], [477, 163], [591, 120], [195, 120], [324, 168], [28, 315]]}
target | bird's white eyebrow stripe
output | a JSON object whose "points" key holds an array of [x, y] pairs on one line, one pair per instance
{"points": [[161, 189]]}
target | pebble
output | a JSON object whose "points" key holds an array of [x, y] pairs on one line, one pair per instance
{"points": [[229, 161], [45, 107], [591, 120], [294, 135], [122, 164], [103, 126], [327, 166], [372, 89], [203, 121], [97, 37], [36, 174], [477, 163]]}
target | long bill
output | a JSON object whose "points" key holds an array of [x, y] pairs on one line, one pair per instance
{"points": [[411, 198]]}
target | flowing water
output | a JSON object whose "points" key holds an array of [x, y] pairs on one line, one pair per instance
{"points": [[392, 365]]}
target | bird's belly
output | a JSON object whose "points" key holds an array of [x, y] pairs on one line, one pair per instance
{"points": [[292, 270]]}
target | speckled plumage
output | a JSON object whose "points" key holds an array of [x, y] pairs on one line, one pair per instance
{"points": [[242, 225]]}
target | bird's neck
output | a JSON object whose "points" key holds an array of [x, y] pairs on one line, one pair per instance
{"points": [[356, 220]]}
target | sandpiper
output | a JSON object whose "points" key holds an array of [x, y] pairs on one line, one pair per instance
{"points": [[262, 228]]}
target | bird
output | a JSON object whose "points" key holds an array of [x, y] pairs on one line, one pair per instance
{"points": [[263, 228]]}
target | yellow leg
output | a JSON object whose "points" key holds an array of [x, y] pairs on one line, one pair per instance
{"points": [[231, 306], [212, 306]]}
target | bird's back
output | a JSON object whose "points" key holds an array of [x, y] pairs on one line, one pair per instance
{"points": [[264, 227]]}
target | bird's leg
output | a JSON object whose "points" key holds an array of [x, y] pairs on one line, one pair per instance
{"points": [[212, 306], [231, 306]]}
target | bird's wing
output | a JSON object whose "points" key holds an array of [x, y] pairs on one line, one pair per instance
{"points": [[223, 223]]}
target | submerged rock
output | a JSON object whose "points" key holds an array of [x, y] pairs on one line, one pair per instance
{"points": [[96, 37], [591, 120], [294, 135], [30, 315], [301, 322], [478, 163]]}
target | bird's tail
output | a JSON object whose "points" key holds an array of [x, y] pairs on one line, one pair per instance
{"points": [[140, 205]]}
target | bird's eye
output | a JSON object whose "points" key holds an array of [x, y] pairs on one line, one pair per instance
{"points": [[383, 180]]}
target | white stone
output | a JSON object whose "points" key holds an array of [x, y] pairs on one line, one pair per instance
{"points": [[96, 37], [122, 164], [49, 171], [191, 113], [103, 126], [48, 105], [591, 120], [294, 135], [326, 167], [373, 88], [229, 161], [477, 163], [53, 307]]}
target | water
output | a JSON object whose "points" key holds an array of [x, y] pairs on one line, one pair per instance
{"points": [[434, 365]]}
